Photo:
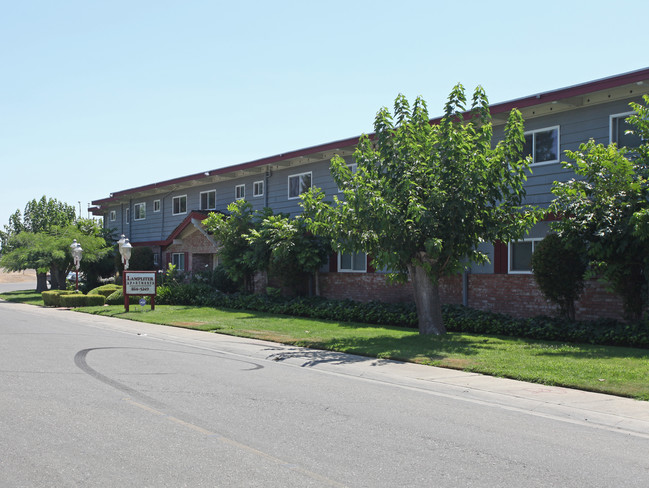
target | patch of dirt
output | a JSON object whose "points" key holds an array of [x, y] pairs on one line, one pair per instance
{"points": [[28, 275]]}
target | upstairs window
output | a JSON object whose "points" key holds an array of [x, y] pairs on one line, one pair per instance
{"points": [[112, 216], [258, 189], [179, 205], [298, 184], [208, 200], [139, 211], [156, 205], [542, 145], [127, 216], [240, 192], [619, 129]]}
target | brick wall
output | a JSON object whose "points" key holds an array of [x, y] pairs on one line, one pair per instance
{"points": [[516, 295]]}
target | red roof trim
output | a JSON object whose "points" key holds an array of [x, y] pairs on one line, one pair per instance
{"points": [[572, 91]]}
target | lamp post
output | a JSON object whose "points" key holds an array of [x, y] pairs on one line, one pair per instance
{"points": [[125, 249], [77, 253]]}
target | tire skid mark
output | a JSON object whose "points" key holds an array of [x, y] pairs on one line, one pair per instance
{"points": [[155, 407]]}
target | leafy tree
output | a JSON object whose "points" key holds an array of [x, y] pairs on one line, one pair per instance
{"points": [[292, 253], [559, 268], [50, 251], [39, 217], [236, 255], [607, 208], [260, 241], [424, 196]]}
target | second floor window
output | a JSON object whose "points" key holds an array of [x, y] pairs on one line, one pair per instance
{"points": [[156, 205], [113, 216], [298, 184], [542, 145], [179, 205], [619, 131], [208, 200], [258, 189], [139, 211], [128, 216], [240, 192]]}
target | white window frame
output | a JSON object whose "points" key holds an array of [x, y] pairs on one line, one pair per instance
{"points": [[351, 270], [156, 206], [545, 129], [177, 258], [112, 216], [613, 117], [298, 175], [510, 254], [256, 186], [173, 205], [207, 207], [240, 192], [127, 216], [138, 208], [353, 167]]}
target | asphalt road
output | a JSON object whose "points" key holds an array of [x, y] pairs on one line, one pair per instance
{"points": [[89, 401]]}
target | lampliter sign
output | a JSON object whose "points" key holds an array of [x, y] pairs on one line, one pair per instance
{"points": [[139, 283]]}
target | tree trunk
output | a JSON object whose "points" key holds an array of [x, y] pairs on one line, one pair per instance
{"points": [[41, 282], [429, 307]]}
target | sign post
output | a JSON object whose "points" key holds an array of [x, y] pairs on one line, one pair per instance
{"points": [[139, 283]]}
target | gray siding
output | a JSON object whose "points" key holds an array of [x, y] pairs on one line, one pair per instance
{"points": [[575, 126]]}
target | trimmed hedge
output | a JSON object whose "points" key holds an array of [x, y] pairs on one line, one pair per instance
{"points": [[52, 298], [456, 317], [117, 298], [105, 290], [75, 301]]}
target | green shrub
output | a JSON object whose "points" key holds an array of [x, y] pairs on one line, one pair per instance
{"points": [[117, 298], [51, 298], [559, 267], [456, 317], [105, 290], [78, 300]]}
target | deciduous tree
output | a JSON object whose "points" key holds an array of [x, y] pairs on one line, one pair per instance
{"points": [[424, 196]]}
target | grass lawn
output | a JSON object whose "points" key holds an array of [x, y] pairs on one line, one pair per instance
{"points": [[614, 370]]}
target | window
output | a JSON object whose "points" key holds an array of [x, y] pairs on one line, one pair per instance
{"points": [[127, 216], [520, 255], [352, 167], [258, 189], [542, 145], [178, 260], [139, 211], [179, 205], [619, 129], [113, 216], [352, 262], [208, 200], [156, 259], [298, 184], [240, 192], [156, 205]]}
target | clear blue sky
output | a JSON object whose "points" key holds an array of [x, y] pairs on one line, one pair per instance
{"points": [[99, 96]]}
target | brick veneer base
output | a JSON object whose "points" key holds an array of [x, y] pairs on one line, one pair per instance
{"points": [[516, 295]]}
